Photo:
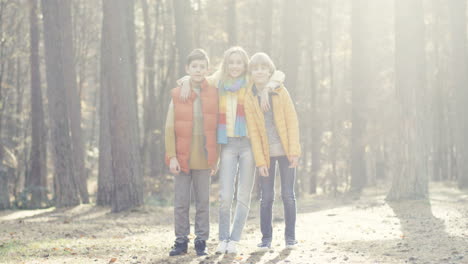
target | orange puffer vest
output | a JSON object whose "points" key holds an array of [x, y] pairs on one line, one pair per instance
{"points": [[183, 124]]}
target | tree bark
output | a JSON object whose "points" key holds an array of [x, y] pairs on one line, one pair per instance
{"points": [[105, 175], [460, 79], [231, 19], [4, 192], [291, 48], [58, 80], [360, 67], [268, 25], [36, 181], [184, 38], [150, 103], [411, 181], [73, 101], [117, 77]]}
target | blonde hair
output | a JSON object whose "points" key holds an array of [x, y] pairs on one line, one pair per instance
{"points": [[228, 53], [261, 58]]}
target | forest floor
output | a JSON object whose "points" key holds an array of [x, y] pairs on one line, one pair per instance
{"points": [[329, 229]]}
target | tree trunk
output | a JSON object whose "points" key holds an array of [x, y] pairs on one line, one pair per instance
{"points": [[131, 35], [184, 38], [2, 64], [73, 102], [117, 77], [360, 67], [231, 22], [460, 80], [439, 99], [105, 176], [58, 80], [150, 103], [36, 182], [291, 48], [268, 24], [315, 139], [411, 180], [333, 148], [4, 192]]}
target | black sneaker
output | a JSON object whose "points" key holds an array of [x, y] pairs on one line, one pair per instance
{"points": [[200, 247], [178, 249], [264, 246]]}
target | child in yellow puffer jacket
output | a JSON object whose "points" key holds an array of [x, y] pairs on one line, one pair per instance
{"points": [[274, 136]]}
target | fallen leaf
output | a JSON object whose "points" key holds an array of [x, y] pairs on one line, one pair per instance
{"points": [[112, 260]]}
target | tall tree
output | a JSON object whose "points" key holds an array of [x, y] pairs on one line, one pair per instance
{"points": [[290, 56], [105, 174], [360, 68], [267, 25], [441, 148], [4, 193], [314, 136], [460, 79], [149, 148], [184, 36], [73, 102], [333, 127], [231, 17], [3, 7], [117, 78], [36, 181], [131, 35], [166, 72], [7, 164], [56, 30], [411, 179]]}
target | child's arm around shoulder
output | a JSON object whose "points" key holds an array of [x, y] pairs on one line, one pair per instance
{"points": [[276, 80], [184, 83], [214, 78]]}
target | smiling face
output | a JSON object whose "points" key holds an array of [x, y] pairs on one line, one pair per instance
{"points": [[235, 65], [260, 74], [197, 69], [261, 67]]}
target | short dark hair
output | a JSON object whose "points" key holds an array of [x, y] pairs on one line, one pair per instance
{"points": [[197, 54]]}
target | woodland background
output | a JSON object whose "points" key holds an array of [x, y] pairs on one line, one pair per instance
{"points": [[380, 88]]}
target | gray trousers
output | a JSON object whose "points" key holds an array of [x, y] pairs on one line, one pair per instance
{"points": [[200, 179]]}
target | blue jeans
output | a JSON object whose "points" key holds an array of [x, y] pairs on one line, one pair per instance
{"points": [[267, 185], [236, 156]]}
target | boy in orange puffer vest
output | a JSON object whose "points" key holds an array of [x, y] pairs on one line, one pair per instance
{"points": [[191, 152]]}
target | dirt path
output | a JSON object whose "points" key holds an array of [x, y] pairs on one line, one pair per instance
{"points": [[365, 230]]}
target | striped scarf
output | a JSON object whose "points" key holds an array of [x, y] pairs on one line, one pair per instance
{"points": [[238, 88]]}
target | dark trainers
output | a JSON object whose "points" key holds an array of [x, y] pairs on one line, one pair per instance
{"points": [[264, 246], [200, 247], [178, 249]]}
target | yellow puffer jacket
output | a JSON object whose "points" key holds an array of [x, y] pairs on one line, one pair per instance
{"points": [[286, 123]]}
